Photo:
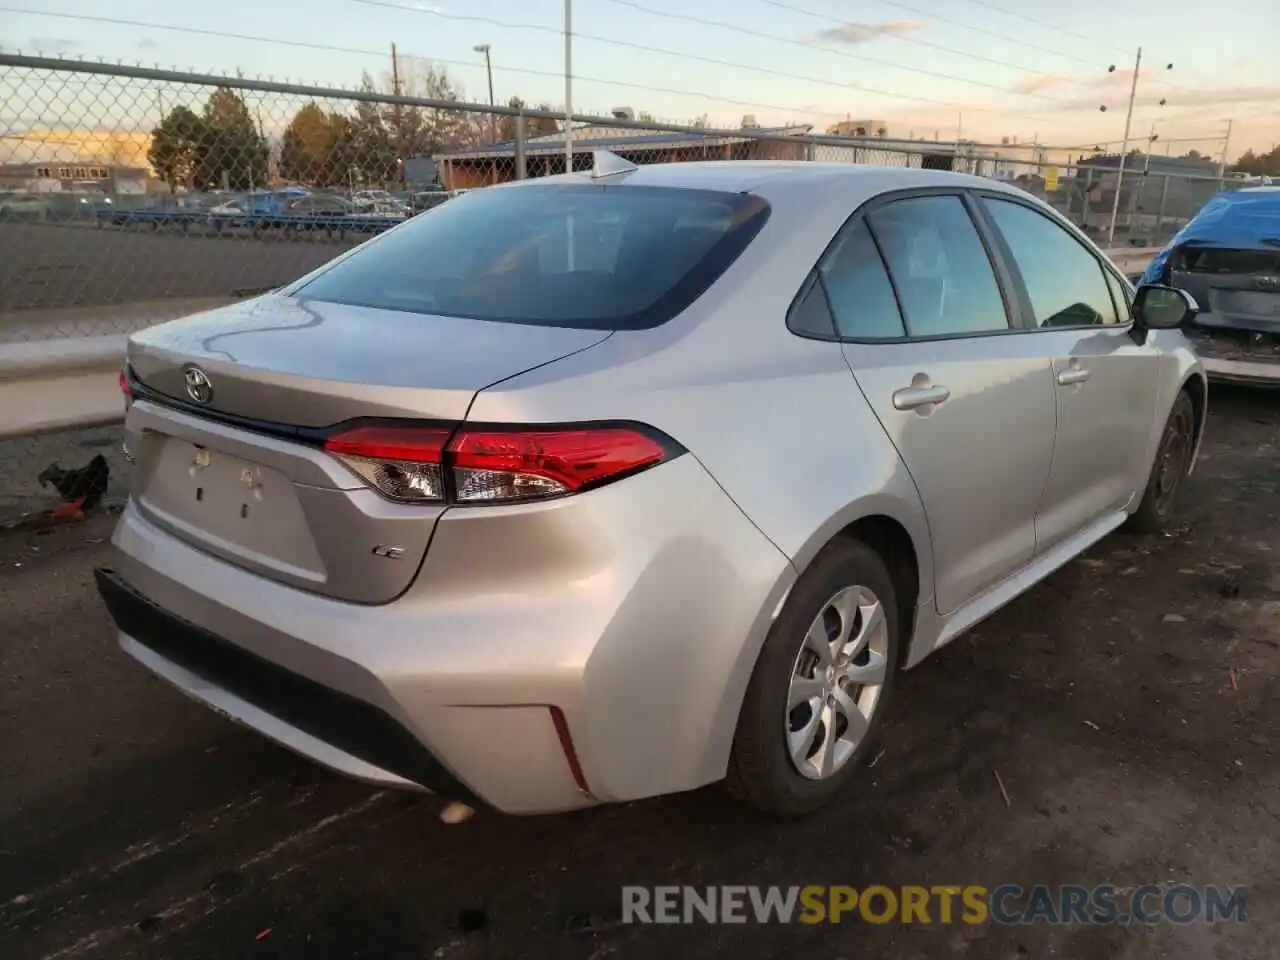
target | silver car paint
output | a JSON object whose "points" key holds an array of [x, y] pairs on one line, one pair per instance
{"points": [[639, 608]]}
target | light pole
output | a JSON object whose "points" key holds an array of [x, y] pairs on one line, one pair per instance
{"points": [[488, 69], [568, 86]]}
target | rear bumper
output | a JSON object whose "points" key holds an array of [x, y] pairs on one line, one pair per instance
{"points": [[342, 732], [601, 641]]}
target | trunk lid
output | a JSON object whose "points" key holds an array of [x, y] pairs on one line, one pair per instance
{"points": [[307, 363], [1237, 289], [241, 476]]}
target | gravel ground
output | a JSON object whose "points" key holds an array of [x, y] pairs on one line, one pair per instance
{"points": [[1128, 705]]}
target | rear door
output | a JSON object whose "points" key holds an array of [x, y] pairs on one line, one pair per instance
{"points": [[926, 329], [1105, 382]]}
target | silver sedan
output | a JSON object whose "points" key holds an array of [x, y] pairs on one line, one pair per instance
{"points": [[609, 485]]}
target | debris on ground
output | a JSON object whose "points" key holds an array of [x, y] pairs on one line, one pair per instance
{"points": [[81, 488], [1174, 618], [1231, 675], [456, 813], [1003, 792]]}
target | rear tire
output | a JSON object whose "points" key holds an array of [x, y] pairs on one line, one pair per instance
{"points": [[1173, 460], [846, 602]]}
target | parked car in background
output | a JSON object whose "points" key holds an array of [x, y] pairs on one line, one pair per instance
{"points": [[370, 198], [595, 487], [21, 205], [420, 200], [1228, 259]]}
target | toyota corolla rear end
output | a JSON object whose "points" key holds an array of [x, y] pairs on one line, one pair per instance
{"points": [[322, 544]]}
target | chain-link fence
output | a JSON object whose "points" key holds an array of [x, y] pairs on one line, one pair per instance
{"points": [[131, 196]]}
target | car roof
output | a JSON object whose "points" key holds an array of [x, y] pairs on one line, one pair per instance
{"points": [[775, 177]]}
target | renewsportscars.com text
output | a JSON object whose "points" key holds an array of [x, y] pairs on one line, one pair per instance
{"points": [[1006, 904]]}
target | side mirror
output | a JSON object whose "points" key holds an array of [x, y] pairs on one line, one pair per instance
{"points": [[1157, 307]]}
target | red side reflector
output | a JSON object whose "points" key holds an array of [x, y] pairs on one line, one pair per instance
{"points": [[572, 458], [570, 752], [407, 444]]}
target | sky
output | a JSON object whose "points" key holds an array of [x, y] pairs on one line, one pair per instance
{"points": [[985, 69]]}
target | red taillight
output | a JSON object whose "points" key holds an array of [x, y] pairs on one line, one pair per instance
{"points": [[500, 465], [124, 385], [401, 463], [486, 465]]}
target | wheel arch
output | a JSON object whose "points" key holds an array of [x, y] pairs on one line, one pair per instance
{"points": [[1196, 385], [899, 532]]}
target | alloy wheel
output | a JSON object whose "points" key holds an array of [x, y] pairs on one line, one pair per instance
{"points": [[836, 682]]}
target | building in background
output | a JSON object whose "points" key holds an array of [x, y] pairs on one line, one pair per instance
{"points": [[859, 128], [54, 177], [544, 155]]}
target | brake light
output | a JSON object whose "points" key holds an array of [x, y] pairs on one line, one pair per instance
{"points": [[124, 385], [497, 465], [493, 465], [403, 464]]}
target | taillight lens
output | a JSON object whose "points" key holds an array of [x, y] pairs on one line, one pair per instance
{"points": [[500, 465], [125, 388], [488, 465], [403, 464]]}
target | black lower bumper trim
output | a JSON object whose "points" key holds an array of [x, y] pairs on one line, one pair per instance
{"points": [[349, 724]]}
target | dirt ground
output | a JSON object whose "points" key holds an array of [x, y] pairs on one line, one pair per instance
{"points": [[1129, 706]]}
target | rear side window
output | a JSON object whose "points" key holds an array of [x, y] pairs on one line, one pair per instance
{"points": [[939, 267], [862, 299], [587, 256], [1064, 281]]}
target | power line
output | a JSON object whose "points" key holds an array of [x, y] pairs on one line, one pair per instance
{"points": [[860, 58], [1041, 23], [378, 54], [329, 48], [988, 33], [541, 28], [905, 39]]}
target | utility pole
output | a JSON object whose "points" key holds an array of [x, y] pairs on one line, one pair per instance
{"points": [[568, 86], [1222, 167], [1124, 148], [397, 115], [488, 67]]}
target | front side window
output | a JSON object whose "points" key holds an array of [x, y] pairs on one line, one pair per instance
{"points": [[939, 266], [598, 257], [1065, 283]]}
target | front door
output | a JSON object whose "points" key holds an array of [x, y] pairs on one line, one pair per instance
{"points": [[1105, 382]]}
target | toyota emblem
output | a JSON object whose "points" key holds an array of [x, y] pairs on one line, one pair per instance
{"points": [[199, 387]]}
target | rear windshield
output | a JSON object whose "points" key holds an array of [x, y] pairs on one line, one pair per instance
{"points": [[579, 255]]}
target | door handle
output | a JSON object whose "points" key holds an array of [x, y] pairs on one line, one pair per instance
{"points": [[1074, 375], [908, 398]]}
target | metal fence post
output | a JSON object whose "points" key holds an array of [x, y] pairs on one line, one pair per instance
{"points": [[522, 171], [1164, 194]]}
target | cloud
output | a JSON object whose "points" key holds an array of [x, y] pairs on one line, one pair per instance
{"points": [[1039, 82], [852, 34], [55, 45], [1179, 98], [146, 43]]}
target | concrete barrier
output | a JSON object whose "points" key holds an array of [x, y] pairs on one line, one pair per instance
{"points": [[64, 384], [53, 385]]}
